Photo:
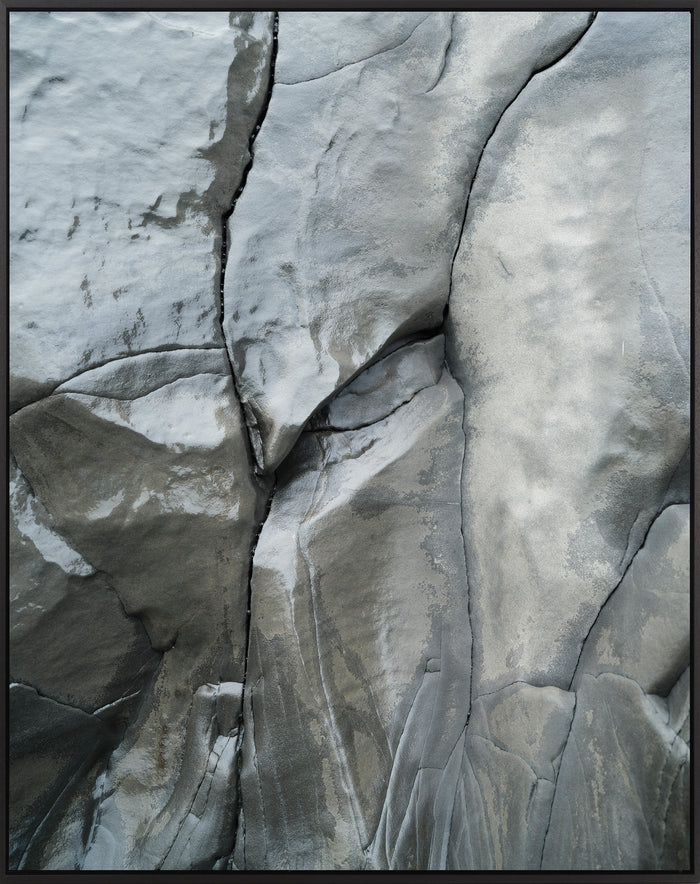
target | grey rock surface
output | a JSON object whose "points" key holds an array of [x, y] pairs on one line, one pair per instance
{"points": [[350, 427], [356, 198], [130, 170], [346, 674]]}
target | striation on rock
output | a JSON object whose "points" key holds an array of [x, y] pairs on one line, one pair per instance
{"points": [[350, 427]]}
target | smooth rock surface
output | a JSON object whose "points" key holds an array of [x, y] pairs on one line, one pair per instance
{"points": [[358, 670], [555, 322], [343, 239], [350, 472]]}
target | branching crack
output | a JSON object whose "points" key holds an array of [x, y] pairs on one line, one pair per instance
{"points": [[330, 428]]}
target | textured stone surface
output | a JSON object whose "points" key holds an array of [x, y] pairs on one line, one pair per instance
{"points": [[115, 244], [349, 487], [356, 198], [357, 684]]}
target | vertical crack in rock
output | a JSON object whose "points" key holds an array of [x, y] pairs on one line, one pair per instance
{"points": [[546, 67], [517, 95], [464, 545], [261, 482], [556, 780], [241, 721], [246, 171], [229, 212]]}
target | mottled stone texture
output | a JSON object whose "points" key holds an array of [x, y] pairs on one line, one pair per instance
{"points": [[349, 486]]}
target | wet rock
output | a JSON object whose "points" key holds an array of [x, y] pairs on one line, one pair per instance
{"points": [[358, 672], [343, 239], [156, 493], [349, 530], [120, 172], [51, 745]]}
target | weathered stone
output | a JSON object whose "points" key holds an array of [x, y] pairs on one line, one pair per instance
{"points": [[51, 745], [643, 631], [92, 654], [562, 320], [120, 171], [349, 521], [155, 492], [620, 745], [352, 655], [343, 239]]}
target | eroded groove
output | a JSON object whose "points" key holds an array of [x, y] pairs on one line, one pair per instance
{"points": [[445, 53]]}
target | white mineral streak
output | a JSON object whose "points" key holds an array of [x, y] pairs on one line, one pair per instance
{"points": [[313, 572], [34, 524]]}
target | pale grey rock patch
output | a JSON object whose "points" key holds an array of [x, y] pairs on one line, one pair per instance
{"points": [[356, 36], [554, 321], [356, 198], [120, 172]]}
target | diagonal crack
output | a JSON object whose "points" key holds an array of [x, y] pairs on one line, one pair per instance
{"points": [[93, 366], [359, 60], [517, 95], [614, 590], [330, 428]]}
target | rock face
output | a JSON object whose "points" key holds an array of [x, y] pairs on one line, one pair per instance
{"points": [[349, 486]]}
